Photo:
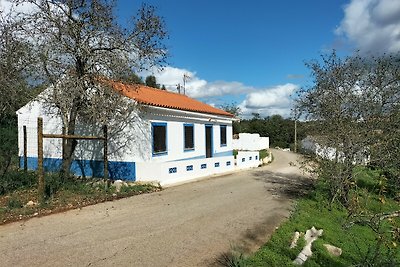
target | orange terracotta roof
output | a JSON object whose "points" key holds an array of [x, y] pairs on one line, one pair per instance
{"points": [[161, 98]]}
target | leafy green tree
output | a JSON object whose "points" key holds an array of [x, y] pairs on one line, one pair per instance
{"points": [[131, 78], [278, 129], [151, 81], [234, 109]]}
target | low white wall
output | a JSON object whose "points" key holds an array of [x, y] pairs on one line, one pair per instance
{"points": [[247, 159], [249, 141], [264, 143], [185, 170]]}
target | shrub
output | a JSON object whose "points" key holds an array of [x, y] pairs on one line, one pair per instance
{"points": [[8, 148], [17, 179], [14, 203]]}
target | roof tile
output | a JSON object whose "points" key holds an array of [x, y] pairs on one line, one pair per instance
{"points": [[162, 98]]}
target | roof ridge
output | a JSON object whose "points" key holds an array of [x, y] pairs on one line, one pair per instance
{"points": [[167, 99], [154, 89]]}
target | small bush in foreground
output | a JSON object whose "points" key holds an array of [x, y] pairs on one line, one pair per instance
{"points": [[17, 179]]}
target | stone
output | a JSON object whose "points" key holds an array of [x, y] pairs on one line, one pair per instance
{"points": [[310, 236], [30, 204], [295, 239], [118, 184], [332, 250]]}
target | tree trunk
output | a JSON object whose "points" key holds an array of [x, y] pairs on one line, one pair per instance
{"points": [[69, 144]]}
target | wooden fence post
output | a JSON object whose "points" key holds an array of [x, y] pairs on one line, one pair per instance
{"points": [[105, 135], [40, 161], [25, 150]]}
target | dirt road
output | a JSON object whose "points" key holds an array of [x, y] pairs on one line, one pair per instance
{"points": [[186, 225]]}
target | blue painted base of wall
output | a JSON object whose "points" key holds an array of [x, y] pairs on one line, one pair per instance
{"points": [[88, 168]]}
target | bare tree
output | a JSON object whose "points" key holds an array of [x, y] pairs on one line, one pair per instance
{"points": [[354, 108], [15, 59], [15, 90], [78, 43]]}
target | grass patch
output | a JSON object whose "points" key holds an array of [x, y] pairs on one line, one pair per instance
{"points": [[359, 243], [17, 179], [264, 153], [63, 195]]}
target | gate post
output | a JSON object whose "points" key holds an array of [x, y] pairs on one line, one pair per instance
{"points": [[40, 161], [25, 150], [105, 135]]}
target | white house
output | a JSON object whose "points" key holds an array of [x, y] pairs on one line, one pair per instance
{"points": [[170, 138], [317, 147]]}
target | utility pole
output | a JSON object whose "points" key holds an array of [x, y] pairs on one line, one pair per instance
{"points": [[178, 86], [295, 135], [295, 130]]}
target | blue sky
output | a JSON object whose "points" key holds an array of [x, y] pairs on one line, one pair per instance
{"points": [[258, 43], [252, 53], [246, 47]]}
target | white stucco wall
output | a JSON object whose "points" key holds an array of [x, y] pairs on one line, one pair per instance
{"points": [[252, 142], [184, 170], [175, 121], [132, 141], [247, 159], [28, 116]]}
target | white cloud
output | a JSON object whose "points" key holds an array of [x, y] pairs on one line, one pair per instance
{"points": [[372, 25], [196, 87], [7, 7], [269, 101], [265, 101]]}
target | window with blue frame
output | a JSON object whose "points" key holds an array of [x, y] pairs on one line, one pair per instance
{"points": [[159, 134], [223, 135], [189, 136]]}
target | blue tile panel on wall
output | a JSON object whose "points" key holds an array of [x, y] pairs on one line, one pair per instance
{"points": [[228, 163], [256, 157], [216, 164], [203, 166], [250, 158], [172, 170], [189, 168], [243, 159], [89, 168]]}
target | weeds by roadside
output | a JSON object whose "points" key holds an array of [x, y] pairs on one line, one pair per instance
{"points": [[364, 239], [18, 200]]}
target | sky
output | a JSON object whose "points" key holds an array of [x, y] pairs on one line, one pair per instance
{"points": [[253, 53]]}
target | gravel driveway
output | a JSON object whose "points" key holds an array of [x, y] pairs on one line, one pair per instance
{"points": [[186, 225]]}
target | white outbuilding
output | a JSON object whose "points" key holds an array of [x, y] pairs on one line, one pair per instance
{"points": [[169, 138]]}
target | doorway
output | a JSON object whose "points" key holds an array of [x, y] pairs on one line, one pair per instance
{"points": [[209, 141]]}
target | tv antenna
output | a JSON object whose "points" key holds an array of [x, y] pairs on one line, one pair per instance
{"points": [[186, 78]]}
